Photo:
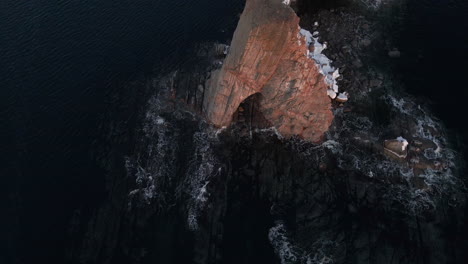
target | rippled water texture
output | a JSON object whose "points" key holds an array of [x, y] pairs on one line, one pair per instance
{"points": [[433, 42], [60, 63]]}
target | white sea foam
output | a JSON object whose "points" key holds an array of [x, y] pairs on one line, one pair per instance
{"points": [[332, 145], [272, 130], [203, 166], [160, 144], [291, 253], [282, 245], [356, 158], [373, 4]]}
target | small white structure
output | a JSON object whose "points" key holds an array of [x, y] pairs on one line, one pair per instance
{"points": [[342, 97], [404, 143]]}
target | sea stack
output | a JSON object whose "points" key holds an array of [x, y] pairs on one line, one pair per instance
{"points": [[269, 56]]}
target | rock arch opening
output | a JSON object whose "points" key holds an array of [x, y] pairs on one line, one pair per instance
{"points": [[249, 112]]}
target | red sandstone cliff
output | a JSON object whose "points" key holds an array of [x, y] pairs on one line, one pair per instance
{"points": [[269, 56]]}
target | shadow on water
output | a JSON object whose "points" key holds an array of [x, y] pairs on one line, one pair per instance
{"points": [[246, 225]]}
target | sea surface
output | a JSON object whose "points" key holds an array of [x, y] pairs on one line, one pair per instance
{"points": [[433, 41], [60, 60]]}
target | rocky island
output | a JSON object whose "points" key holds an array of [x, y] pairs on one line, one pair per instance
{"points": [[248, 153]]}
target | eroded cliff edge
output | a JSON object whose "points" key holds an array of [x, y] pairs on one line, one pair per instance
{"points": [[268, 56]]}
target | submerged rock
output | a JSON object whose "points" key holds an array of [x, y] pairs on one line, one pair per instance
{"points": [[394, 54]]}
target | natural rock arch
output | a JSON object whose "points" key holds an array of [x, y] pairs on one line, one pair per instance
{"points": [[269, 56]]}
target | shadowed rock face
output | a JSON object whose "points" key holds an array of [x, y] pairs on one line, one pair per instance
{"points": [[269, 56]]}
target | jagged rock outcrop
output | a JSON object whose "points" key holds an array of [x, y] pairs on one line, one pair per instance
{"points": [[268, 55]]}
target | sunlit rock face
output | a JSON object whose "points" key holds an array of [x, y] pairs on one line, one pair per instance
{"points": [[269, 56]]}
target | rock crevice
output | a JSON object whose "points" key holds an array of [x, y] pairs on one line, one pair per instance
{"points": [[269, 56]]}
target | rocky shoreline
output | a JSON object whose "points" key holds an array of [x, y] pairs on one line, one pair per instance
{"points": [[382, 184], [381, 143], [356, 42]]}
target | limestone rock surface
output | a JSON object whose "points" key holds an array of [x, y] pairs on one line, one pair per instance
{"points": [[268, 56]]}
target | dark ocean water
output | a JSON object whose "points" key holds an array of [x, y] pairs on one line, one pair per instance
{"points": [[433, 41], [60, 60]]}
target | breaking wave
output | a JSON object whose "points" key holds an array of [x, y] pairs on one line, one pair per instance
{"points": [[203, 166], [290, 252], [174, 162]]}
